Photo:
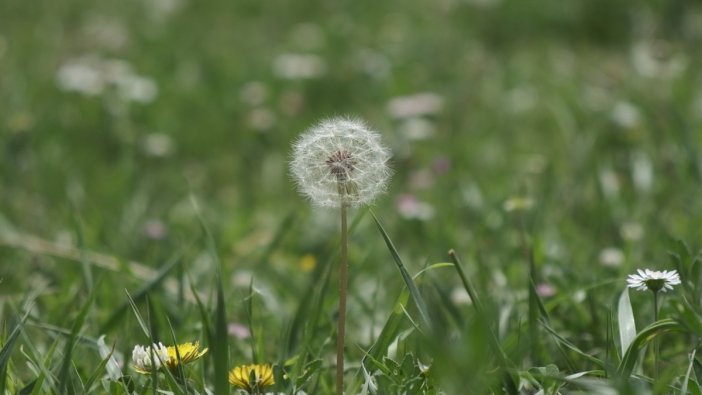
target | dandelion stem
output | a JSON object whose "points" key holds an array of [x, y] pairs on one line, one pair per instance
{"points": [[343, 285], [656, 348]]}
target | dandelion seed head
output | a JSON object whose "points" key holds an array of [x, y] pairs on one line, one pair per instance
{"points": [[339, 161], [652, 280], [341, 164]]}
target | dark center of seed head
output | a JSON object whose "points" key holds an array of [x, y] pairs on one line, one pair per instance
{"points": [[341, 164]]}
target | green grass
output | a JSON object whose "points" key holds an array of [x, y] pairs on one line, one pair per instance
{"points": [[564, 155]]}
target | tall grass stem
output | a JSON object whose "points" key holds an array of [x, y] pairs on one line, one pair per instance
{"points": [[656, 341], [343, 286]]}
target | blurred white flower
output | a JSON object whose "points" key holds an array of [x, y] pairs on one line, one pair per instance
{"points": [[653, 280], [631, 231], [149, 358], [81, 77], [459, 296], [642, 171], [415, 105], [657, 59], [579, 296], [609, 182], [242, 278], [417, 129], [472, 196], [611, 257], [155, 229], [92, 76], [340, 160], [299, 66], [545, 290], [410, 207], [136, 88], [157, 144], [626, 114]]}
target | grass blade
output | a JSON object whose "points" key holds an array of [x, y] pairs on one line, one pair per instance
{"points": [[391, 328], [625, 317], [181, 372], [218, 336], [63, 376], [414, 292], [99, 370], [686, 380], [502, 360], [138, 316], [142, 291], [572, 347], [7, 350], [644, 337], [305, 314], [220, 344]]}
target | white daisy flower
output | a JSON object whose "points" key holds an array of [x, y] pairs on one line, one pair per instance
{"points": [[653, 280], [339, 161]]}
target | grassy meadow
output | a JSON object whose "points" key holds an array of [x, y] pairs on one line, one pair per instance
{"points": [[554, 147]]}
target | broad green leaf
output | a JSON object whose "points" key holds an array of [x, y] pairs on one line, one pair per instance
{"points": [[625, 317], [644, 337]]}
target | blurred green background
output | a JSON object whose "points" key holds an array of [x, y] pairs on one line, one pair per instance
{"points": [[579, 121]]}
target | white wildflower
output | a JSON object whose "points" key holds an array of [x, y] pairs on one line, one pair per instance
{"points": [[612, 257], [626, 114], [410, 207], [653, 280], [147, 359], [157, 145], [340, 160], [94, 76], [81, 77], [420, 104], [137, 88], [293, 66]]}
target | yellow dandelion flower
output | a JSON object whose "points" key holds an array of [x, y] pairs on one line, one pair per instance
{"points": [[241, 376], [307, 262], [188, 352]]}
